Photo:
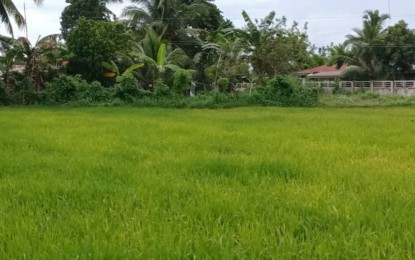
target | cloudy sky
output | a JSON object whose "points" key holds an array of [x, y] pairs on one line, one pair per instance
{"points": [[328, 20]]}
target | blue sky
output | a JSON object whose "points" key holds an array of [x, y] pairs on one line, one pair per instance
{"points": [[328, 20]]}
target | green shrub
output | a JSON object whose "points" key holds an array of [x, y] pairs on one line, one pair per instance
{"points": [[223, 84], [127, 87], [182, 81], [4, 100], [24, 93], [65, 88], [304, 97], [369, 95], [161, 89], [287, 91], [95, 92]]}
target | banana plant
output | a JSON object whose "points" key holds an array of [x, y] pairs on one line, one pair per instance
{"points": [[114, 71], [40, 57]]}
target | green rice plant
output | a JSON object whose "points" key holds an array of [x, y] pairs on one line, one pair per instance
{"points": [[284, 183]]}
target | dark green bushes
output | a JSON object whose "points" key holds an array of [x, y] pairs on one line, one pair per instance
{"points": [[3, 95], [182, 81], [223, 84], [281, 91], [96, 93], [23, 93], [287, 91], [213, 99], [64, 89], [126, 87]]}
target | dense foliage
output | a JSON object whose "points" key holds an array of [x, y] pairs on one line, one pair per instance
{"points": [[179, 48], [89, 9], [375, 51], [286, 91], [93, 42]]}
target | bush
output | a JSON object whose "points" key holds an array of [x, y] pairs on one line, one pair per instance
{"points": [[287, 91], [127, 87], [95, 92], [3, 94], [182, 81], [65, 88], [223, 84], [161, 89], [24, 92]]}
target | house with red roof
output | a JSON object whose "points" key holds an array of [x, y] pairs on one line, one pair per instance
{"points": [[323, 73]]}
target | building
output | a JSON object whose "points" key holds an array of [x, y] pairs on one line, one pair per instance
{"points": [[322, 73]]}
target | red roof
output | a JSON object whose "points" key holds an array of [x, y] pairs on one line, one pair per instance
{"points": [[323, 68]]}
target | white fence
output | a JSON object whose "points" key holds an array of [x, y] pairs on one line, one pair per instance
{"points": [[406, 88]]}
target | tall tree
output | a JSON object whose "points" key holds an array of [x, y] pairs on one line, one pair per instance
{"points": [[9, 12], [399, 55], [275, 48], [93, 42], [90, 9], [173, 19]]}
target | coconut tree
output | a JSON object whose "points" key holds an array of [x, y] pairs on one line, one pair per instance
{"points": [[177, 18], [230, 57], [9, 12], [171, 14], [174, 17], [159, 55], [366, 44]]}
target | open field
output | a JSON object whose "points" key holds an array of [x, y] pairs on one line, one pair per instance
{"points": [[241, 183]]}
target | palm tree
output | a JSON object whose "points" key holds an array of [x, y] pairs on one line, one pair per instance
{"points": [[159, 55], [230, 53], [9, 12], [366, 44], [174, 15]]}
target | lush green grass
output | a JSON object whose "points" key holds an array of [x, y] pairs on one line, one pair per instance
{"points": [[250, 183], [366, 100]]}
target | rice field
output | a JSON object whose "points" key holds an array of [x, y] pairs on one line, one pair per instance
{"points": [[277, 183]]}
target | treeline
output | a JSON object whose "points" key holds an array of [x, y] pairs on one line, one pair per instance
{"points": [[176, 48], [377, 52]]}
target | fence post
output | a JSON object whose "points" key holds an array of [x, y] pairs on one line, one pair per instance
{"points": [[353, 85], [372, 86], [393, 87]]}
